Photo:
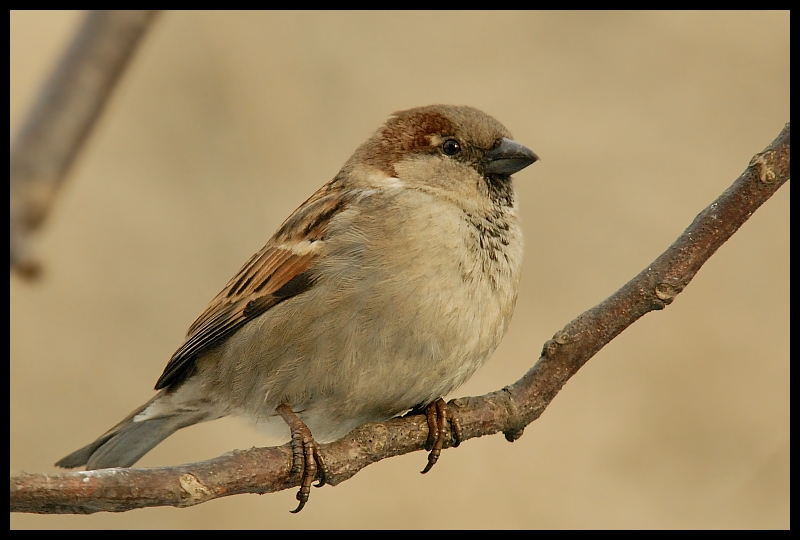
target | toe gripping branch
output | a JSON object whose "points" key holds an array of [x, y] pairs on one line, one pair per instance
{"points": [[437, 414], [307, 462]]}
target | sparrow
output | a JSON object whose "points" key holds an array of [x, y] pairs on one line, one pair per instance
{"points": [[384, 291]]}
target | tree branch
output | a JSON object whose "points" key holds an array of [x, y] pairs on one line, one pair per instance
{"points": [[265, 470], [58, 124]]}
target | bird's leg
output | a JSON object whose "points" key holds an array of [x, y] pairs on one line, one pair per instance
{"points": [[437, 413], [306, 459]]}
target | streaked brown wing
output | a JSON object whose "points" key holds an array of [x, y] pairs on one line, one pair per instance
{"points": [[281, 269]]}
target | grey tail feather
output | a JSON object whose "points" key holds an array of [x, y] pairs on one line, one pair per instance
{"points": [[124, 444]]}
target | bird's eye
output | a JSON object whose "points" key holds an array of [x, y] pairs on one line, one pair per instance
{"points": [[451, 147]]}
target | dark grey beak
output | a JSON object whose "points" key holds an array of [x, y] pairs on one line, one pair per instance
{"points": [[507, 158]]}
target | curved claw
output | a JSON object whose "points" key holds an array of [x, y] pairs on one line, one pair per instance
{"points": [[322, 474], [299, 506]]}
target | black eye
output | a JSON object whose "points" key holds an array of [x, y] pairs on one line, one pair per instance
{"points": [[451, 147]]}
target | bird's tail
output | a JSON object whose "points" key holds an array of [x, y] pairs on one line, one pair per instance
{"points": [[124, 444]]}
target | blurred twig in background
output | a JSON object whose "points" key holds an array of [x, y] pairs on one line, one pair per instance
{"points": [[57, 125], [264, 470]]}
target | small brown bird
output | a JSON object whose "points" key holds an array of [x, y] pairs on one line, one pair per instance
{"points": [[383, 292]]}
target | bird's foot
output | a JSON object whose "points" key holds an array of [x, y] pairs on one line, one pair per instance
{"points": [[307, 461], [437, 414]]}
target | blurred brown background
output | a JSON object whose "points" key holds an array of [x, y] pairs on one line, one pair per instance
{"points": [[226, 122]]}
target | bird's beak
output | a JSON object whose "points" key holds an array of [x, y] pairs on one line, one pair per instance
{"points": [[507, 158]]}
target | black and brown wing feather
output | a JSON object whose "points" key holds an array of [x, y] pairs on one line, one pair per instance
{"points": [[282, 269]]}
